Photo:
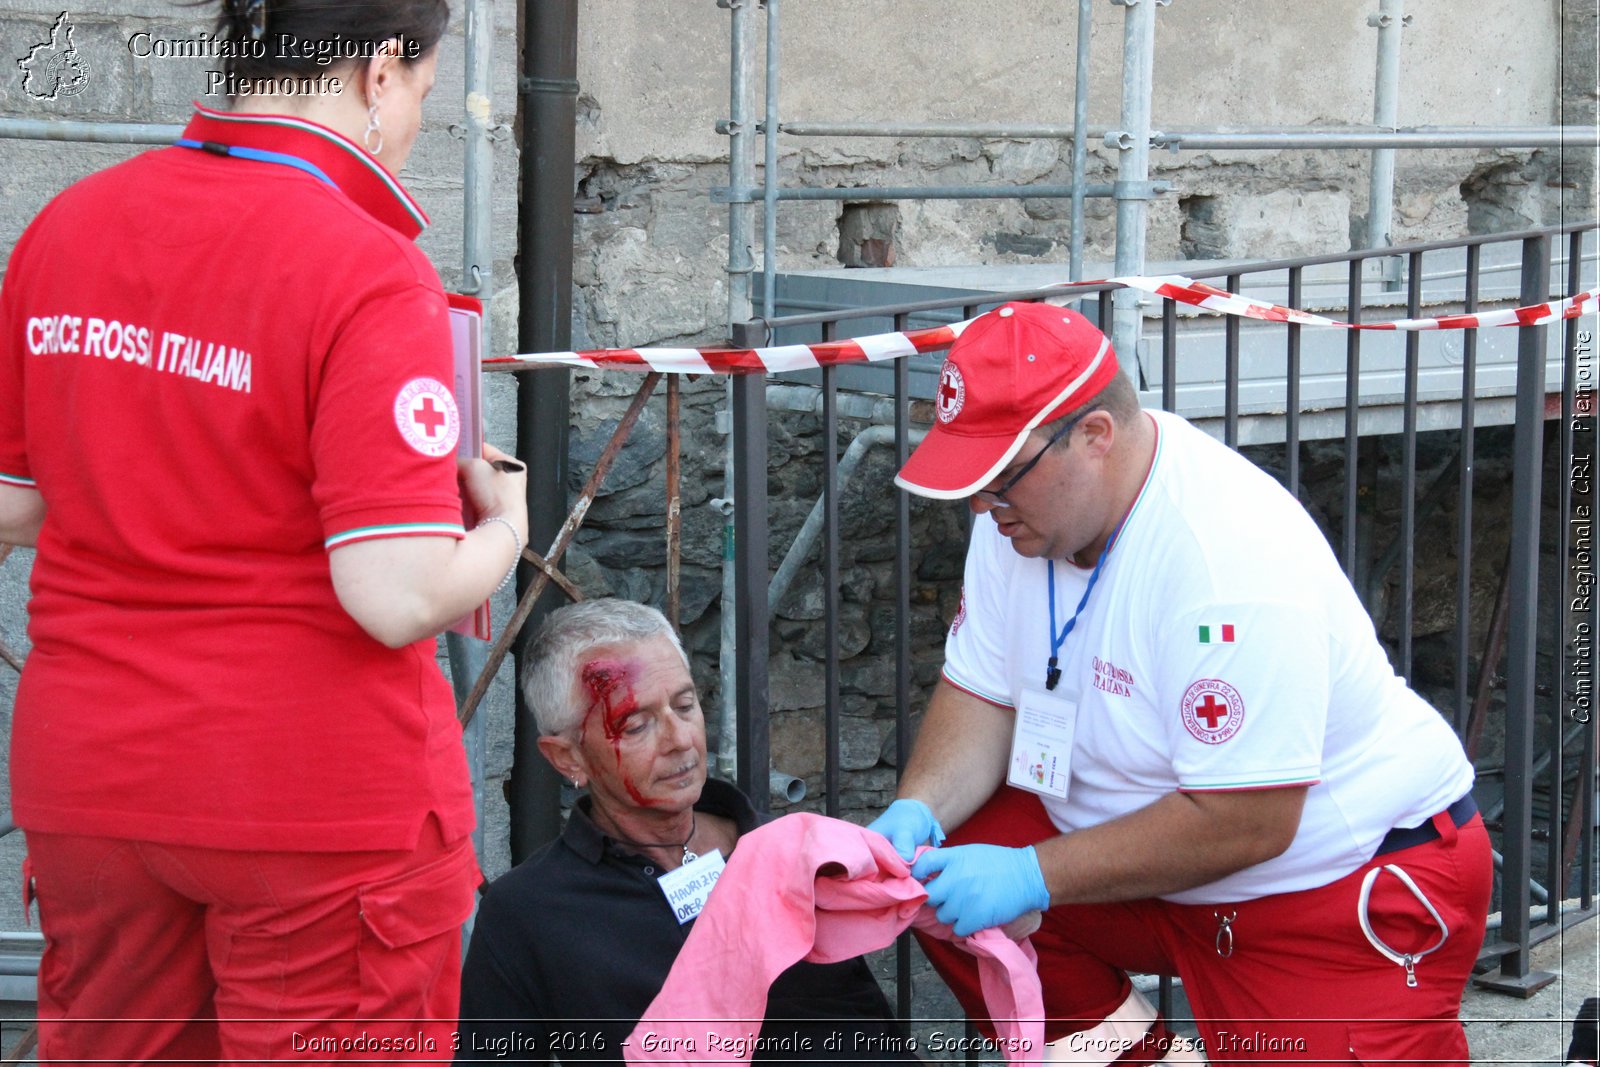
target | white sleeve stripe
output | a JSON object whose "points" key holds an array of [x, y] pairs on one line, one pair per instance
{"points": [[1303, 776], [972, 690]]}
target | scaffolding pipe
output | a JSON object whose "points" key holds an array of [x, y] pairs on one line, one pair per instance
{"points": [[783, 786], [1265, 138], [89, 132], [737, 194], [1382, 140], [806, 539], [1080, 147], [1133, 168], [1539, 893], [741, 165], [770, 193], [478, 178], [934, 129], [879, 410], [468, 656], [1176, 139], [1385, 112]]}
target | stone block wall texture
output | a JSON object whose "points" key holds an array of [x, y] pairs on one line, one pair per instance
{"points": [[651, 247]]}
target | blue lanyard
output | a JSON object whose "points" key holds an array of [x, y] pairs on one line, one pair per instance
{"points": [[257, 154], [1052, 673]]}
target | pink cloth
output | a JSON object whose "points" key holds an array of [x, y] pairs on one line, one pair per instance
{"points": [[810, 887]]}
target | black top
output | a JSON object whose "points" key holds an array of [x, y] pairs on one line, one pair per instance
{"points": [[571, 946]]}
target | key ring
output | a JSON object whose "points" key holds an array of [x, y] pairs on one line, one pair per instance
{"points": [[1224, 944]]}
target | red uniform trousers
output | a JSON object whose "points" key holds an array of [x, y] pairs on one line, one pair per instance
{"points": [[160, 952], [1301, 981]]}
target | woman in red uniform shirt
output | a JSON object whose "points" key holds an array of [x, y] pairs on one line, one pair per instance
{"points": [[225, 424]]}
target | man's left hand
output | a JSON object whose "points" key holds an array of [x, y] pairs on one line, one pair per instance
{"points": [[975, 887]]}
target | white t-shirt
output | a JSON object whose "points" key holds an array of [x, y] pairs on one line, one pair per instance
{"points": [[1221, 649]]}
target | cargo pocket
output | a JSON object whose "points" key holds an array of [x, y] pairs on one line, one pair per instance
{"points": [[1415, 916], [411, 936]]}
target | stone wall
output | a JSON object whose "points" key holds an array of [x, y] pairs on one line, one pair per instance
{"points": [[652, 246]]}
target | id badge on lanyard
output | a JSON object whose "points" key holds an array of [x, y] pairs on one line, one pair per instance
{"points": [[1041, 737], [1041, 741], [688, 887]]}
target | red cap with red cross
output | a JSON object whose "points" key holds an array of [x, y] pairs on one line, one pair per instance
{"points": [[1015, 368]]}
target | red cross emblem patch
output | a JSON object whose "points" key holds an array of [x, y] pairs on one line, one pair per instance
{"points": [[952, 392], [425, 413], [1212, 710]]}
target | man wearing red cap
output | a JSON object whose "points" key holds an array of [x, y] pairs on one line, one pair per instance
{"points": [[1165, 721]]}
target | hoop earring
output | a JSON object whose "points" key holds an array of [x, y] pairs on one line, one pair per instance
{"points": [[372, 128]]}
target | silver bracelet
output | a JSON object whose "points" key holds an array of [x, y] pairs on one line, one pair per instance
{"points": [[515, 537]]}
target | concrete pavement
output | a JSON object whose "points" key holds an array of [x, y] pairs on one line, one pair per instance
{"points": [[1505, 1030]]}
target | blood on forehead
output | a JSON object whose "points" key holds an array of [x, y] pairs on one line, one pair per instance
{"points": [[610, 685]]}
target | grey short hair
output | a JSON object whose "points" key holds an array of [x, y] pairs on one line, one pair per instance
{"points": [[565, 637], [1118, 397]]}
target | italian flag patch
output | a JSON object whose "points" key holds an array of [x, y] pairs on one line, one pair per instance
{"points": [[1221, 634]]}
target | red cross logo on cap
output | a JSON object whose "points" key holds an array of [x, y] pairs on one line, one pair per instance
{"points": [[1212, 710], [952, 392]]}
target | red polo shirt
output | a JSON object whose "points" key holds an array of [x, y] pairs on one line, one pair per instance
{"points": [[216, 369]]}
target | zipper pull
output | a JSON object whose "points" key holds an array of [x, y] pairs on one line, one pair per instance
{"points": [[1410, 963]]}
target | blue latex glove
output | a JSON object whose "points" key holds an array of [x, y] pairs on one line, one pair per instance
{"points": [[908, 824], [975, 887]]}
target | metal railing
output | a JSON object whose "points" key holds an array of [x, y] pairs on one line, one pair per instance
{"points": [[1546, 388]]}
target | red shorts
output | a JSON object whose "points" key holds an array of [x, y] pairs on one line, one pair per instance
{"points": [[1299, 982], [166, 952]]}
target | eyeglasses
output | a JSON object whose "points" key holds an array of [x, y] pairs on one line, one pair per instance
{"points": [[996, 498]]}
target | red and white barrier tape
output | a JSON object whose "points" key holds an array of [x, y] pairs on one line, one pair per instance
{"points": [[1199, 294], [885, 346]]}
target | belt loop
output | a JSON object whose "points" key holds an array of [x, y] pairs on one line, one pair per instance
{"points": [[1446, 826]]}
